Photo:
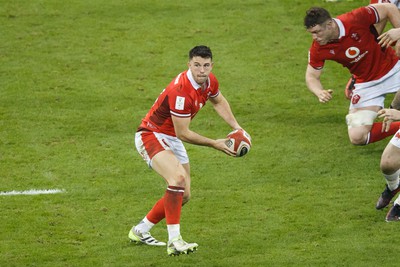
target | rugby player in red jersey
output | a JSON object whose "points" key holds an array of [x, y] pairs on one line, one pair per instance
{"points": [[159, 141], [351, 40]]}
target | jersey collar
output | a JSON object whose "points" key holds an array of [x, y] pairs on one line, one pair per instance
{"points": [[342, 31]]}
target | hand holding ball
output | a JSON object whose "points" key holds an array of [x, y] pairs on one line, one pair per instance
{"points": [[239, 141]]}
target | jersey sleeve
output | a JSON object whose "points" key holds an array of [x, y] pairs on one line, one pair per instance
{"points": [[214, 84], [314, 59], [365, 15]]}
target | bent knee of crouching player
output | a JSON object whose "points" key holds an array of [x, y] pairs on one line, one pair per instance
{"points": [[359, 125]]}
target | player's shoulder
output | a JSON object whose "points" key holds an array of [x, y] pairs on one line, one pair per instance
{"points": [[359, 18], [349, 16], [180, 78], [179, 85], [214, 83], [213, 78], [177, 80]]}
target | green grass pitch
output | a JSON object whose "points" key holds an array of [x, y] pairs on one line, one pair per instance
{"points": [[76, 77]]}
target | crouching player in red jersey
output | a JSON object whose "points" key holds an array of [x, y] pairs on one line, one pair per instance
{"points": [[350, 39], [159, 141]]}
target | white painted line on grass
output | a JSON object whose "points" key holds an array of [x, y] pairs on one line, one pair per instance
{"points": [[32, 192]]}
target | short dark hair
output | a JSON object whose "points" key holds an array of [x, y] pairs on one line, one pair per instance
{"points": [[316, 16], [200, 51]]}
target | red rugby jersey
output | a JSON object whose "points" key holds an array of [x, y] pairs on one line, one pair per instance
{"points": [[357, 48], [183, 98]]}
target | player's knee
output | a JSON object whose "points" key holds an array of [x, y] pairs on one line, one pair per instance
{"points": [[387, 169], [358, 123], [388, 166], [179, 179], [358, 136], [358, 140]]}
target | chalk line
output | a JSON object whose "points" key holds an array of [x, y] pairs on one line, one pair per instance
{"points": [[32, 192]]}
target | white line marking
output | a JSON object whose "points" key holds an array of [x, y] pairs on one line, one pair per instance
{"points": [[32, 192]]}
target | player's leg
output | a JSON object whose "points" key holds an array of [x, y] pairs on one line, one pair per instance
{"points": [[157, 213], [363, 130], [359, 122], [148, 145], [390, 167], [390, 160], [168, 157], [186, 195], [376, 133], [359, 135], [168, 166], [367, 100]]}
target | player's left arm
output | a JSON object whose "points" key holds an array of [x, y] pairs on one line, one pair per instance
{"points": [[221, 105], [390, 12], [389, 38], [388, 115], [380, 26]]}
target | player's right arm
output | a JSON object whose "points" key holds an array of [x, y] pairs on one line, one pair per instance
{"points": [[315, 86], [182, 131]]}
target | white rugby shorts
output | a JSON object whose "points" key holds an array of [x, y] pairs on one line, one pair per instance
{"points": [[373, 93], [148, 144]]}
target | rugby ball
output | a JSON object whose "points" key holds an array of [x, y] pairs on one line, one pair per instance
{"points": [[239, 141]]}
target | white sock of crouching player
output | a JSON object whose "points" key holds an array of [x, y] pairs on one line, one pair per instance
{"points": [[392, 180]]}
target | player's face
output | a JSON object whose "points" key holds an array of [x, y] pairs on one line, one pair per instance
{"points": [[200, 68], [322, 33]]}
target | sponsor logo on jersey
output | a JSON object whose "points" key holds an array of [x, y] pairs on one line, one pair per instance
{"points": [[359, 57], [352, 52]]}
